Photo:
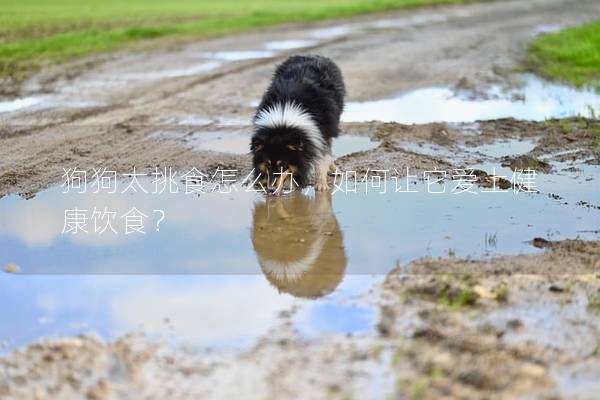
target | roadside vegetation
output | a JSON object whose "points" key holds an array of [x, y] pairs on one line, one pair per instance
{"points": [[571, 55], [38, 32]]}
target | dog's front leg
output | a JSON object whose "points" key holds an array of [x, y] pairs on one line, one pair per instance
{"points": [[322, 170], [332, 166]]}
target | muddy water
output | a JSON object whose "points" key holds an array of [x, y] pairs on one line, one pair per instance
{"points": [[235, 140], [207, 311], [572, 182], [163, 73], [509, 147], [16, 104], [536, 100], [38, 103], [239, 55], [313, 256], [289, 44]]}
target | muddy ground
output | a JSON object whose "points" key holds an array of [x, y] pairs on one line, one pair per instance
{"points": [[109, 111], [447, 327]]}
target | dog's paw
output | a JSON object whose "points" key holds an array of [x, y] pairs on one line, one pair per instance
{"points": [[321, 186]]}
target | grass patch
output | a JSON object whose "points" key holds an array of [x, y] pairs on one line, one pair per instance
{"points": [[459, 298], [418, 388], [501, 293], [377, 351], [580, 128], [572, 55], [38, 32], [399, 355], [446, 291], [596, 352], [594, 303]]}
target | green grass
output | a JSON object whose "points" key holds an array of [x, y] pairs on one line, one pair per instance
{"points": [[452, 292], [462, 298], [418, 388], [572, 55], [38, 32], [596, 352], [594, 303]]}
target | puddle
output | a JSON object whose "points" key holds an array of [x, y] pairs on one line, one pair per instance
{"points": [[19, 104], [458, 154], [464, 154], [545, 29], [168, 73], [571, 187], [327, 318], [195, 121], [544, 321], [400, 23], [578, 381], [164, 307], [416, 20], [235, 143], [501, 148], [571, 181], [314, 250], [348, 144], [331, 33], [537, 100], [239, 143], [31, 230], [148, 72], [47, 102], [239, 55], [289, 44]]}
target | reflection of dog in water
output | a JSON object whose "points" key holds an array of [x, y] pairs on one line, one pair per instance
{"points": [[299, 244]]}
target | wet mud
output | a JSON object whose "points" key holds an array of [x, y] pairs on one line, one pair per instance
{"points": [[447, 327], [489, 325]]}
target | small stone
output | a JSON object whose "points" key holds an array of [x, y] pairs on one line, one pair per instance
{"points": [[483, 292], [514, 323], [11, 268], [476, 378], [4, 389], [533, 370], [541, 243], [556, 289]]}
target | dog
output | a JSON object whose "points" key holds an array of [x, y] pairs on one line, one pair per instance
{"points": [[295, 123]]}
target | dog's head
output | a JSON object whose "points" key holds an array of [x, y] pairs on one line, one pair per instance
{"points": [[281, 158]]}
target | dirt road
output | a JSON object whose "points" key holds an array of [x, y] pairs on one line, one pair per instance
{"points": [[112, 110]]}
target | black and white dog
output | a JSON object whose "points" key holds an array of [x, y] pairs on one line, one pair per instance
{"points": [[295, 123]]}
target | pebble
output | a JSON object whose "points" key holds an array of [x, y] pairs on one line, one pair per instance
{"points": [[11, 268]]}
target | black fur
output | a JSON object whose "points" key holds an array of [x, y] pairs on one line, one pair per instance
{"points": [[315, 83]]}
